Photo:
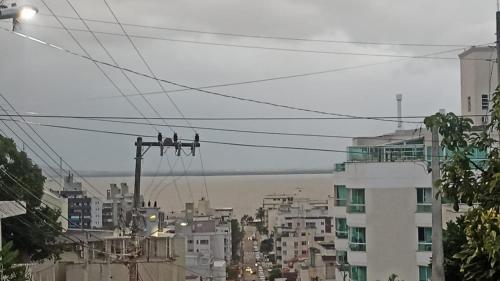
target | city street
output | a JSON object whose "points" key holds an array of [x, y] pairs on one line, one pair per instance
{"points": [[249, 254]]}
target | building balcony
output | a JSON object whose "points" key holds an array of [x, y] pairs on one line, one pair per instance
{"points": [[357, 247], [424, 208], [424, 246], [341, 234], [356, 208], [386, 153]]}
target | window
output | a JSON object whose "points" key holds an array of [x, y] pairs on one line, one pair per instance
{"points": [[304, 243], [296, 253], [357, 202], [469, 105], [340, 195], [341, 228], [290, 225], [425, 239], [357, 239], [424, 200], [310, 225], [204, 242], [358, 273], [341, 257], [484, 102], [322, 223], [303, 234], [304, 252], [284, 253], [424, 273], [190, 241], [295, 244]]}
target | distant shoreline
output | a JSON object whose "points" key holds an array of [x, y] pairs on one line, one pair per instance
{"points": [[109, 174]]}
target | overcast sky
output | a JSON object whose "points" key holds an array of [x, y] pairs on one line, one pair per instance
{"points": [[36, 78]]}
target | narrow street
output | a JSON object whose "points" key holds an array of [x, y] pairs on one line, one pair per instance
{"points": [[249, 260]]}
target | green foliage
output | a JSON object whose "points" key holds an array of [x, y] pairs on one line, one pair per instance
{"points": [[394, 277], [275, 273], [453, 240], [33, 233], [266, 246], [236, 236], [11, 272], [476, 183], [232, 272]]}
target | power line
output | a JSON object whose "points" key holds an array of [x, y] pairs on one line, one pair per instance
{"points": [[212, 129], [275, 78], [193, 88], [253, 118], [204, 141], [243, 46], [257, 36], [50, 147]]}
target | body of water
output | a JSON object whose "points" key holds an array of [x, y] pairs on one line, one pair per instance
{"points": [[244, 193]]}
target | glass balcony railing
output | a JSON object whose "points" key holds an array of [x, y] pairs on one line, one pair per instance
{"points": [[386, 153], [356, 208], [341, 234], [424, 247], [340, 167], [424, 208], [357, 247]]}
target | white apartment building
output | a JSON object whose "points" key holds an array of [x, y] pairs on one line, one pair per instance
{"points": [[478, 82], [382, 208], [299, 226], [207, 233]]}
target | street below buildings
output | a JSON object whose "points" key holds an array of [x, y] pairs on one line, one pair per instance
{"points": [[250, 267]]}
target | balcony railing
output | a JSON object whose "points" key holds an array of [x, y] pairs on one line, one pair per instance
{"points": [[340, 167], [340, 202], [356, 208], [424, 246], [357, 247], [341, 234], [424, 208], [387, 153]]}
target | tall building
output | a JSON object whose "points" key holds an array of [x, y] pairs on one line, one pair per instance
{"points": [[83, 211], [478, 71], [207, 233]]}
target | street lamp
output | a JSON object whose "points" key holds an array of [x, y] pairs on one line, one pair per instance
{"points": [[25, 12]]}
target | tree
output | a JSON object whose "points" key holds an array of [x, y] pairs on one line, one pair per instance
{"points": [[394, 277], [475, 182], [11, 272], [275, 273], [33, 234], [453, 239], [266, 246], [236, 237]]}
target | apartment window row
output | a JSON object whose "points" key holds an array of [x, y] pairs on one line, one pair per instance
{"points": [[424, 273], [425, 239], [356, 198], [357, 239], [424, 200], [357, 201], [341, 230], [358, 273]]}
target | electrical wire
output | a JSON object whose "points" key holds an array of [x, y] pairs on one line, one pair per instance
{"points": [[151, 72], [33, 151], [268, 48], [50, 147], [204, 141], [224, 118], [257, 36], [195, 89], [104, 73]]}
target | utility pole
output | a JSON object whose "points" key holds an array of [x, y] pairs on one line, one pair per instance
{"points": [[498, 47], [139, 153], [437, 216]]}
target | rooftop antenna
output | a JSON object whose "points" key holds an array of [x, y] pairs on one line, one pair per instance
{"points": [[399, 98]]}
